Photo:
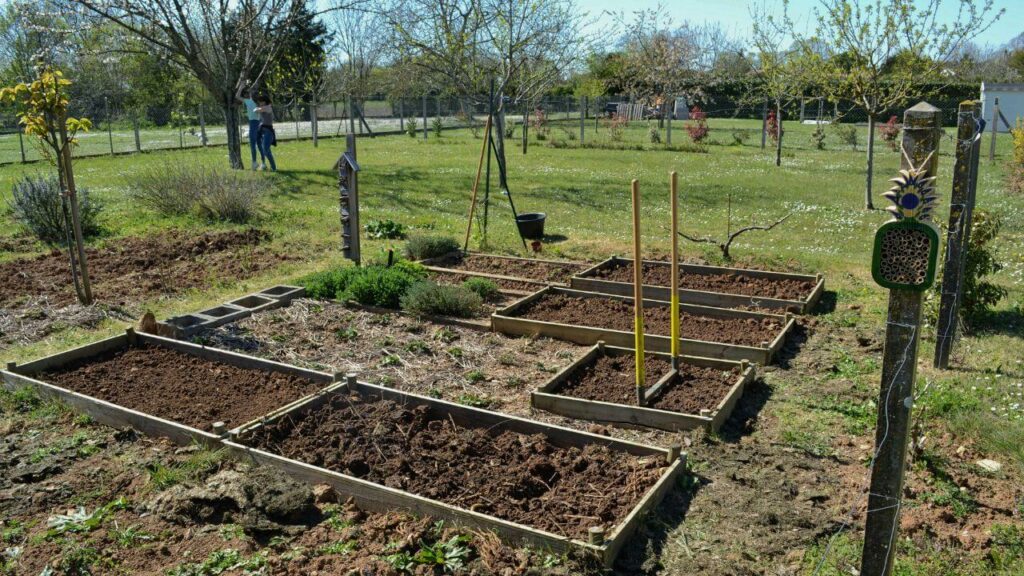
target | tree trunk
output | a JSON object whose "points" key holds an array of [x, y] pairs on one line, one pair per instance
{"points": [[500, 145], [778, 134], [231, 125], [868, 204], [76, 219]]}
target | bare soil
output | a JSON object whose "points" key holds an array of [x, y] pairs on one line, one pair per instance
{"points": [[135, 268], [181, 387], [531, 269], [521, 478], [660, 275], [501, 283], [613, 379], [619, 315]]}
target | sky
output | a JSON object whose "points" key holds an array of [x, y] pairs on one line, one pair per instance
{"points": [[734, 15]]}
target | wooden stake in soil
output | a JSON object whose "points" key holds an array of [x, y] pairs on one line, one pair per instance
{"points": [[476, 182], [903, 261], [674, 294], [961, 211], [638, 298]]}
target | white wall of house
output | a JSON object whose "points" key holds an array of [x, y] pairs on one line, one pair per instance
{"points": [[1011, 102]]}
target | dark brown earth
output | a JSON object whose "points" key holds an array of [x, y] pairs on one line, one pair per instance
{"points": [[180, 387], [452, 278], [532, 269], [134, 268], [659, 275], [619, 315], [513, 476], [613, 379]]}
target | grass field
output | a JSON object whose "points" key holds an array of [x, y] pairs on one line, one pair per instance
{"points": [[425, 185]]}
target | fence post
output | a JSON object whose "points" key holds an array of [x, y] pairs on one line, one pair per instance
{"points": [[202, 126], [314, 126], [135, 126], [583, 117], [668, 121], [903, 261], [961, 212], [106, 115], [995, 130], [424, 116]]}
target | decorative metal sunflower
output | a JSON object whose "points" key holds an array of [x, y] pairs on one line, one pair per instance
{"points": [[913, 194]]}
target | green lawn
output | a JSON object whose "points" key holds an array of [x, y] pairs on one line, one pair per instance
{"points": [[585, 193]]}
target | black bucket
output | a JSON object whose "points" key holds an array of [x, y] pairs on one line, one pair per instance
{"points": [[531, 225]]}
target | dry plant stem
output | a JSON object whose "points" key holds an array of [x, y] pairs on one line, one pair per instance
{"points": [[724, 246]]}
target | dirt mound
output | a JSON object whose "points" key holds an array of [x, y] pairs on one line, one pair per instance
{"points": [[532, 269], [660, 275], [181, 387], [134, 268], [619, 315], [564, 491]]}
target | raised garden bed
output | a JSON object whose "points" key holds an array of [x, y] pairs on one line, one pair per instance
{"points": [[531, 271], [530, 482], [587, 318], [519, 287], [601, 386], [164, 387], [706, 285]]}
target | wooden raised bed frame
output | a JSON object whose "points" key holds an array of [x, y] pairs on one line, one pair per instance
{"points": [[547, 397], [376, 497], [23, 376], [429, 264], [587, 282], [507, 322]]}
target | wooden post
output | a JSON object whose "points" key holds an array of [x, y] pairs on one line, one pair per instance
{"points": [[674, 295], [76, 217], [110, 133], [476, 182], [961, 211], [424, 116], [21, 144], [921, 136], [135, 125], [995, 131], [638, 298]]}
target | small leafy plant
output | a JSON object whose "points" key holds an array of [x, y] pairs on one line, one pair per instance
{"points": [[697, 128], [484, 288], [421, 247], [847, 134], [385, 230], [410, 127], [437, 125], [654, 135], [772, 126], [430, 298], [890, 133], [818, 136]]}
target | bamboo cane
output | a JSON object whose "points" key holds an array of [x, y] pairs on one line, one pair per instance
{"points": [[476, 182], [638, 301], [674, 298]]}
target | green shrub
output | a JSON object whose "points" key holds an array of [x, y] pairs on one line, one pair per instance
{"points": [[36, 203], [423, 247], [441, 300], [173, 190], [847, 134], [410, 127], [437, 125], [385, 230], [978, 294], [654, 135], [378, 286], [818, 136], [325, 285], [483, 287]]}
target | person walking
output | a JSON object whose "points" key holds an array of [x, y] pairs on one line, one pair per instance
{"points": [[254, 123], [267, 136]]}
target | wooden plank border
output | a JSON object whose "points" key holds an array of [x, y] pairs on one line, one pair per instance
{"points": [[24, 376], [547, 397], [586, 281], [377, 497], [433, 264], [507, 321]]}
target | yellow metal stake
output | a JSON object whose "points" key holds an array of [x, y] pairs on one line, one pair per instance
{"points": [[674, 298], [638, 300]]}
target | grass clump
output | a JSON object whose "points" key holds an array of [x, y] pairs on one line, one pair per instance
{"points": [[483, 287], [216, 195], [430, 298], [37, 205], [429, 246]]}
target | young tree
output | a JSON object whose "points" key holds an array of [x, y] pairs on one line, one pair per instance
{"points": [[42, 107], [880, 53], [222, 42]]}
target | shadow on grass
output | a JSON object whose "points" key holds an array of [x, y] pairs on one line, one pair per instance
{"points": [[639, 556], [743, 419], [998, 322], [826, 304], [794, 342]]}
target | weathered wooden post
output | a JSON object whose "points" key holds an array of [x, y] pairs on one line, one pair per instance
{"points": [[995, 131], [674, 271], [348, 199], [904, 262], [961, 212], [638, 298]]}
